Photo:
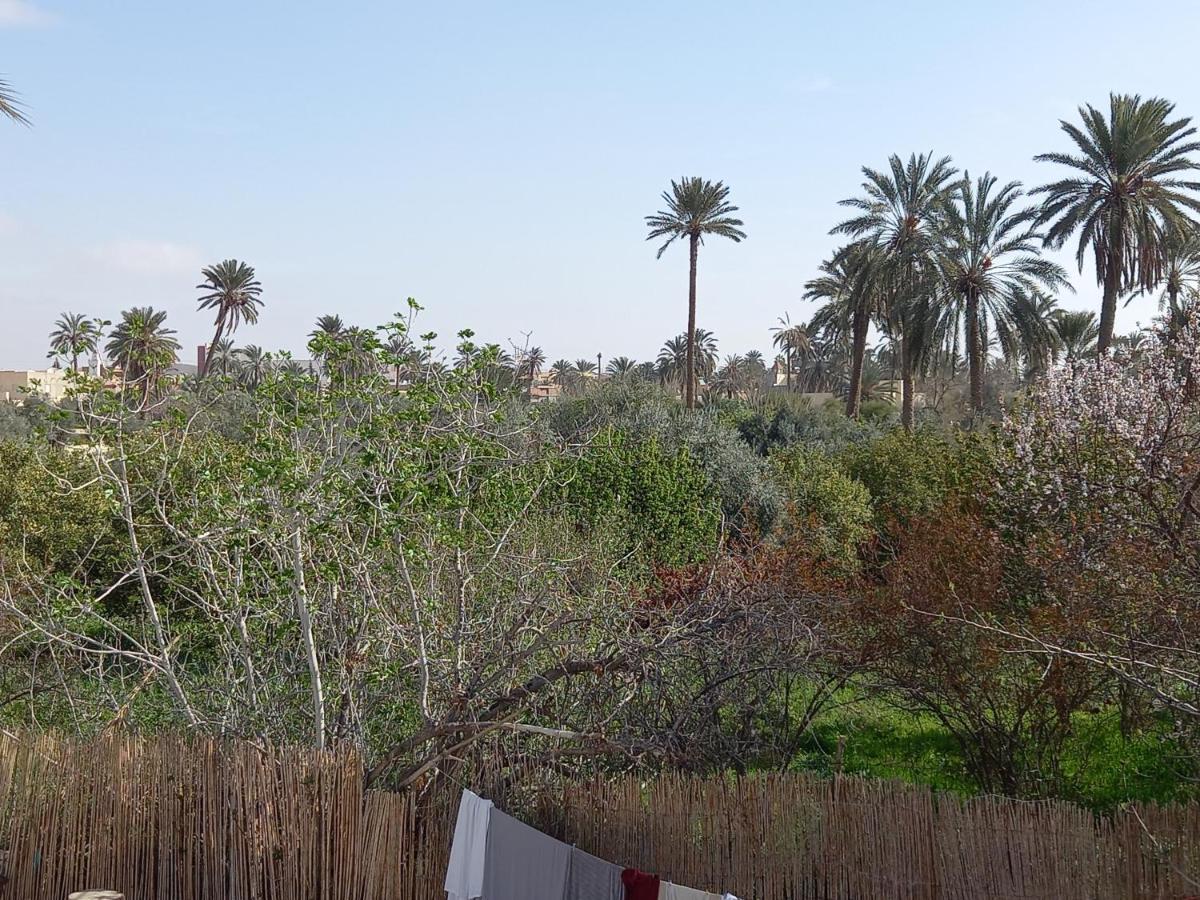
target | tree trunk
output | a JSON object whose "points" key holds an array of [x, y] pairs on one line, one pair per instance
{"points": [[858, 353], [211, 347], [1112, 282], [306, 633], [974, 353], [690, 365], [907, 388]]}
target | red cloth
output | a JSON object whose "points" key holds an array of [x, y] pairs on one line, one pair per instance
{"points": [[639, 885]]}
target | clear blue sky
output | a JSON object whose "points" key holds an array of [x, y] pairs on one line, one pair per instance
{"points": [[495, 160]]}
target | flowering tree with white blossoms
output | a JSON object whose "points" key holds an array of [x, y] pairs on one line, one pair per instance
{"points": [[1098, 485]]}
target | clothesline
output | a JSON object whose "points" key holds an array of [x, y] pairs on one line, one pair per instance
{"points": [[496, 857]]}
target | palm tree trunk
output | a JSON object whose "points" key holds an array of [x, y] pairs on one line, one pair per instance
{"points": [[690, 365], [974, 352], [1108, 309], [858, 353], [212, 346], [907, 388]]}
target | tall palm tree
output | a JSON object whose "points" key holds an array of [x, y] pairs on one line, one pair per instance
{"points": [[695, 208], [849, 290], [531, 366], [793, 340], [1127, 195], [990, 251], [143, 347], [74, 335], [564, 374], [585, 366], [10, 104], [1077, 333], [901, 215], [733, 376], [673, 363], [230, 288]]}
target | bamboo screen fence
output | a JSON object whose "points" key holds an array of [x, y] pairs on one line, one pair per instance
{"points": [[198, 819]]}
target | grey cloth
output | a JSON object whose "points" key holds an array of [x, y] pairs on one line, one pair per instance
{"points": [[464, 874], [522, 863], [671, 891], [592, 878]]}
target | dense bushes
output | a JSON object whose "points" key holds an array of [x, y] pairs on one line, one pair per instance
{"points": [[830, 508], [660, 503], [725, 589]]}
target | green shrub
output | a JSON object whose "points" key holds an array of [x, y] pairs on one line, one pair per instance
{"points": [[738, 478], [660, 499], [912, 474], [830, 507]]}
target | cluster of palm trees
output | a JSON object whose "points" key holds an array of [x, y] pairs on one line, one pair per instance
{"points": [[947, 270], [950, 269], [738, 374], [143, 348]]}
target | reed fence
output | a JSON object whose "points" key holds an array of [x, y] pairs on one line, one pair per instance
{"points": [[201, 819]]}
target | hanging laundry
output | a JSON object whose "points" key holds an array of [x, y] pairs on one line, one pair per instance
{"points": [[592, 878], [523, 863], [640, 885], [464, 874], [679, 892]]}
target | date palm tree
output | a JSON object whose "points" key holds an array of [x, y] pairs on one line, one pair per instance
{"points": [[532, 362], [230, 287], [11, 105], [990, 251], [900, 214], [672, 363], [564, 374], [645, 371], [255, 366], [223, 358], [1181, 271], [74, 335], [1126, 194], [675, 361], [620, 367], [733, 376], [1026, 332], [1077, 333], [328, 326], [793, 340], [695, 208], [848, 290], [143, 346]]}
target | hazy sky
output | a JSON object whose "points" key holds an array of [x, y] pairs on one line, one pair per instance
{"points": [[495, 160]]}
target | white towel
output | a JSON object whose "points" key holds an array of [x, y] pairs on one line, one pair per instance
{"points": [[464, 874]]}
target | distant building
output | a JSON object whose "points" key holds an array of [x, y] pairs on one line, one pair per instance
{"points": [[544, 389], [18, 384]]}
